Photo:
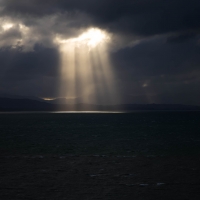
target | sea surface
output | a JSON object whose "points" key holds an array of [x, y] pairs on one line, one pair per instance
{"points": [[100, 133]]}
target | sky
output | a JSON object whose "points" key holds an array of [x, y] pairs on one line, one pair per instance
{"points": [[153, 50]]}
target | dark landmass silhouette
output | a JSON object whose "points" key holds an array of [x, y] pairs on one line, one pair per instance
{"points": [[10, 104]]}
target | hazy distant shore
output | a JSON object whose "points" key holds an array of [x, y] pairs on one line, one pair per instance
{"points": [[8, 104]]}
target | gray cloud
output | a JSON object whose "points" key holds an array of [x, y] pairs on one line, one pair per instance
{"points": [[157, 71], [20, 71], [155, 45], [138, 16], [181, 37]]}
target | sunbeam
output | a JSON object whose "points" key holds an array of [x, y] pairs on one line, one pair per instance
{"points": [[86, 72]]}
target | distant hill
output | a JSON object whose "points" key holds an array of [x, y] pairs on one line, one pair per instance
{"points": [[9, 104], [12, 96], [159, 107]]}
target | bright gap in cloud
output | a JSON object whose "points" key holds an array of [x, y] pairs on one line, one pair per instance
{"points": [[7, 26], [92, 37]]}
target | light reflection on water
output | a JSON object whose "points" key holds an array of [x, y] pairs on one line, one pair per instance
{"points": [[66, 112], [88, 112]]}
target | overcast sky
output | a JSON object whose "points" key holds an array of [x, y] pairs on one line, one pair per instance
{"points": [[155, 47]]}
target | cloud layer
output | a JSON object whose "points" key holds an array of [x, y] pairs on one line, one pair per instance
{"points": [[155, 45]]}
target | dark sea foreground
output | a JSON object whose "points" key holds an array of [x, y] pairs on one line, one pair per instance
{"points": [[138, 133], [139, 155]]}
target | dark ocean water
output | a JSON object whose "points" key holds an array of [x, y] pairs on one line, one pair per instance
{"points": [[137, 133]]}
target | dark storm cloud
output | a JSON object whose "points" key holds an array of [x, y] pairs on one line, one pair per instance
{"points": [[156, 57], [143, 17], [158, 71], [38, 69], [11, 34], [128, 20], [40, 62], [156, 45], [10, 37], [181, 37]]}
